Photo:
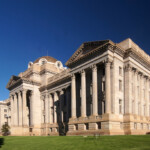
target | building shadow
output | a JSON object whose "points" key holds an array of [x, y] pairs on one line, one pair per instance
{"points": [[1, 142]]}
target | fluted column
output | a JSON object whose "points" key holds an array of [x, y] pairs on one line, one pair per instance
{"points": [[94, 90], [24, 103], [12, 109], [73, 96], [55, 107], [51, 108], [108, 88], [83, 93]]}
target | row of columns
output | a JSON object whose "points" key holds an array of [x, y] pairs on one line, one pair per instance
{"points": [[137, 90], [19, 108], [94, 91], [51, 106]]}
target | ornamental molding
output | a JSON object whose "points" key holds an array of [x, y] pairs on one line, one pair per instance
{"points": [[16, 81], [89, 48]]}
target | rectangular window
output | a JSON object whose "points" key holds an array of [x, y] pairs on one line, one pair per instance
{"points": [[144, 109], [120, 85], [135, 125], [133, 107], [120, 106], [5, 110], [138, 90], [138, 108], [120, 71]]}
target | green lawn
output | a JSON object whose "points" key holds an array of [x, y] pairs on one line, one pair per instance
{"points": [[127, 142]]}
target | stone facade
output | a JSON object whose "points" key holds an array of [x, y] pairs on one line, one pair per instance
{"points": [[104, 90]]}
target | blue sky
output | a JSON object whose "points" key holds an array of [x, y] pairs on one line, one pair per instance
{"points": [[30, 28]]}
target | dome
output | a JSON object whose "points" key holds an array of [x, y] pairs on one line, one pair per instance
{"points": [[48, 58]]}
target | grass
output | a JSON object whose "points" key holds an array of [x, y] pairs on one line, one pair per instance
{"points": [[128, 142]]}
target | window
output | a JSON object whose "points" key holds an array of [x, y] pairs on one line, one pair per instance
{"points": [[138, 108], [144, 93], [99, 125], [133, 107], [135, 125], [87, 126], [76, 126], [50, 129], [5, 110], [141, 125], [5, 115], [120, 106], [120, 85], [144, 109], [120, 71], [138, 90], [121, 125], [43, 62]]}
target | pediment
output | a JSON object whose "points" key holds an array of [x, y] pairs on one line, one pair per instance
{"points": [[12, 81], [84, 49]]}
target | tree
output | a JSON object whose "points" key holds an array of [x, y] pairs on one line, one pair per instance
{"points": [[5, 129]]}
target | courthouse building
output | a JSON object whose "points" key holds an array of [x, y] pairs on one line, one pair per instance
{"points": [[105, 89]]}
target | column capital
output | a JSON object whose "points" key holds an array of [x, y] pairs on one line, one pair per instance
{"points": [[42, 97], [82, 71], [19, 92], [24, 90], [94, 67], [128, 67], [73, 76], [62, 91], [108, 61]]}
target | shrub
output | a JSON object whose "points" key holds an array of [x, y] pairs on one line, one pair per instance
{"points": [[5, 129]]}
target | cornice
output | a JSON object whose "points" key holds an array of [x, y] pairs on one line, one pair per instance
{"points": [[22, 80]]}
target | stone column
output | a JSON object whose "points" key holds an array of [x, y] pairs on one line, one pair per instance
{"points": [[55, 107], [67, 101], [128, 89], [46, 108], [51, 108], [135, 93], [15, 110], [73, 96], [141, 94], [24, 103], [31, 108], [108, 88], [147, 97], [83, 93], [20, 108], [61, 104], [12, 109], [94, 90]]}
